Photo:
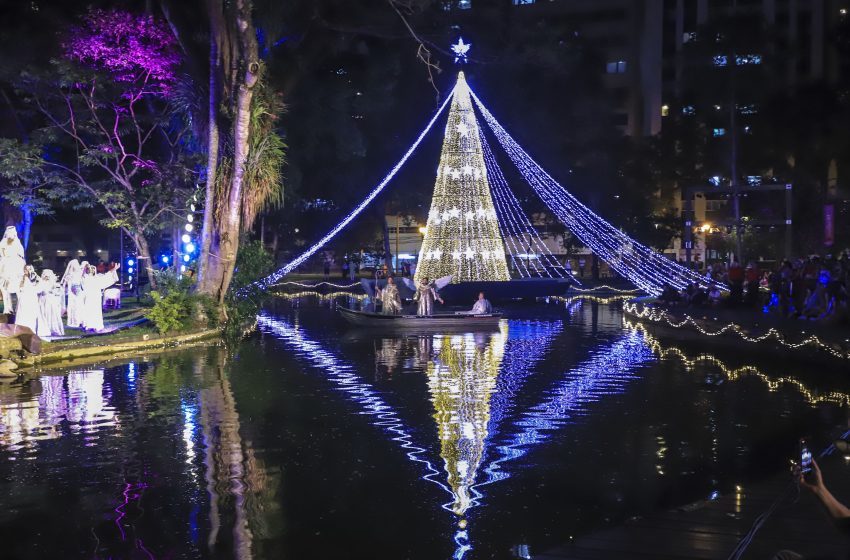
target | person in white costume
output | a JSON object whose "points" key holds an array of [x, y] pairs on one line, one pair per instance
{"points": [[390, 298], [11, 266], [72, 285], [26, 315], [425, 296], [93, 286], [49, 306], [482, 306]]}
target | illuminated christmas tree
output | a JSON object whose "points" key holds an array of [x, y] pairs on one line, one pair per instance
{"points": [[462, 235]]}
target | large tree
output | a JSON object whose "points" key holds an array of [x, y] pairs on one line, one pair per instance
{"points": [[108, 136]]}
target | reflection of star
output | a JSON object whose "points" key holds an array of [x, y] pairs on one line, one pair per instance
{"points": [[446, 216], [467, 170], [438, 253], [470, 215], [485, 254], [461, 49], [470, 253], [454, 212], [463, 129], [455, 174], [456, 254]]}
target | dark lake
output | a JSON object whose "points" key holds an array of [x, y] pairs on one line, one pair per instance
{"points": [[312, 440]]}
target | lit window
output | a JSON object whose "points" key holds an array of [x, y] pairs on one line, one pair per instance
{"points": [[750, 109], [689, 36], [464, 4], [843, 11], [665, 110], [744, 59], [688, 110], [618, 67], [754, 180], [720, 60], [523, 2], [718, 132]]}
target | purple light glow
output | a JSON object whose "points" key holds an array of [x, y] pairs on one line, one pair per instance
{"points": [[132, 48]]}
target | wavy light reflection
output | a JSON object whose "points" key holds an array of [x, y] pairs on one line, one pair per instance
{"points": [[81, 401]]}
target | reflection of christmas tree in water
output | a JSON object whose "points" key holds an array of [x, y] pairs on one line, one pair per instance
{"points": [[462, 236], [461, 379]]}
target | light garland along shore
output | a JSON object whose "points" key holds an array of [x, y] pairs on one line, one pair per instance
{"points": [[605, 288], [733, 374], [660, 316], [588, 297], [329, 295], [317, 285]]}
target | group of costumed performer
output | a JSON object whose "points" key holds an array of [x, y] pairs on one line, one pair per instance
{"points": [[425, 295], [41, 299]]}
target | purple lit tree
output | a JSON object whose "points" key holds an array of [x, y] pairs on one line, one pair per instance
{"points": [[117, 146]]}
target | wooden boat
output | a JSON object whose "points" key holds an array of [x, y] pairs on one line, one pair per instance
{"points": [[458, 321]]}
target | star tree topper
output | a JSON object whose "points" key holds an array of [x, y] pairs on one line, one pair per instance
{"points": [[461, 49]]}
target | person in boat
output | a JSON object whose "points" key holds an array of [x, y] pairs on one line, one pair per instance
{"points": [[482, 306], [426, 294], [390, 298]]}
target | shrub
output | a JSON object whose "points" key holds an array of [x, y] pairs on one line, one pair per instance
{"points": [[175, 306], [169, 312]]}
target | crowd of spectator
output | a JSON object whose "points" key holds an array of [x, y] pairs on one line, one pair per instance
{"points": [[813, 288]]}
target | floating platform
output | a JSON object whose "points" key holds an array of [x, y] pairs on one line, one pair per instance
{"points": [[464, 293], [458, 321]]}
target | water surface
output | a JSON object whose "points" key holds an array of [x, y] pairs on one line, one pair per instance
{"points": [[311, 440]]}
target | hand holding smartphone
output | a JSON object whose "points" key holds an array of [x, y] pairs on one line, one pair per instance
{"points": [[805, 457]]}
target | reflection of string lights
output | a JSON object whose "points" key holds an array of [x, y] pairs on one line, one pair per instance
{"points": [[661, 316], [605, 373], [733, 374], [346, 379]]}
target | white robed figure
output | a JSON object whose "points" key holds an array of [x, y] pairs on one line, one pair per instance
{"points": [[26, 315], [49, 305], [482, 306], [426, 294], [72, 287], [11, 266], [93, 286], [390, 298]]}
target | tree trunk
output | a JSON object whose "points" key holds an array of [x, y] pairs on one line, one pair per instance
{"points": [[143, 257], [224, 233], [212, 164]]}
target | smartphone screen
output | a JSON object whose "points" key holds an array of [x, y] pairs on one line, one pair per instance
{"points": [[805, 457]]}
